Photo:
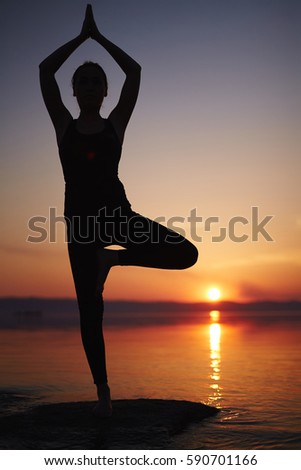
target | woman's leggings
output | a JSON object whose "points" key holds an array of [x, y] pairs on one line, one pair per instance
{"points": [[146, 243]]}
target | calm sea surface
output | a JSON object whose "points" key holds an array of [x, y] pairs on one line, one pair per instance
{"points": [[245, 363]]}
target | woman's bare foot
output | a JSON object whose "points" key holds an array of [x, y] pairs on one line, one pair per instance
{"points": [[103, 409], [106, 259]]}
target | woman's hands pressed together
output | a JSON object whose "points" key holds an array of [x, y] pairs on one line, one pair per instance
{"points": [[89, 28]]}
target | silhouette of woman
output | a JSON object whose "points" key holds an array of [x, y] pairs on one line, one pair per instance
{"points": [[97, 211]]}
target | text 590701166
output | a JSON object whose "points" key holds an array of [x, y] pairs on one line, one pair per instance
{"points": [[221, 459]]}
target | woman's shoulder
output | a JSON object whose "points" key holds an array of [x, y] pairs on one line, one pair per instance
{"points": [[66, 128], [112, 127]]}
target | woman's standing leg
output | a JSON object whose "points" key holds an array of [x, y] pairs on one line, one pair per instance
{"points": [[84, 266]]}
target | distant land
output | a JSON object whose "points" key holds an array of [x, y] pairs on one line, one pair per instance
{"points": [[35, 312], [70, 304]]}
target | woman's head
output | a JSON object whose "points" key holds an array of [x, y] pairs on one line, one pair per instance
{"points": [[89, 82]]}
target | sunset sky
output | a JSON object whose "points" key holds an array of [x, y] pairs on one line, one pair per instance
{"points": [[216, 132]]}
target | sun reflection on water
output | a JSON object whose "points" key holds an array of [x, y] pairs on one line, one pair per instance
{"points": [[215, 331]]}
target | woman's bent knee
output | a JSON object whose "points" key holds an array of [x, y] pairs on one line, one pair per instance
{"points": [[189, 256]]}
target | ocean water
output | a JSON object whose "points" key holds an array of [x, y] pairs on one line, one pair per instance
{"points": [[245, 363]]}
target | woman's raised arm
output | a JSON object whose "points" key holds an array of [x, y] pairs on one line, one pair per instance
{"points": [[59, 114], [122, 112]]}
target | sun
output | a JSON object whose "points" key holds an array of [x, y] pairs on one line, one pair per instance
{"points": [[214, 293]]}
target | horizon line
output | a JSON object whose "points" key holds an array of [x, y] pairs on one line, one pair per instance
{"points": [[158, 301]]}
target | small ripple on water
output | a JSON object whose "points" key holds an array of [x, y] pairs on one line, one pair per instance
{"points": [[236, 430], [15, 401]]}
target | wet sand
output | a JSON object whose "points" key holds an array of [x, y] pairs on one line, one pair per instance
{"points": [[135, 424]]}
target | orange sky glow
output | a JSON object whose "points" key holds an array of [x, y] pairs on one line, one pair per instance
{"points": [[214, 140]]}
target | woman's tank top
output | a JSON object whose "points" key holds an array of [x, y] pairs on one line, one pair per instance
{"points": [[90, 167]]}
